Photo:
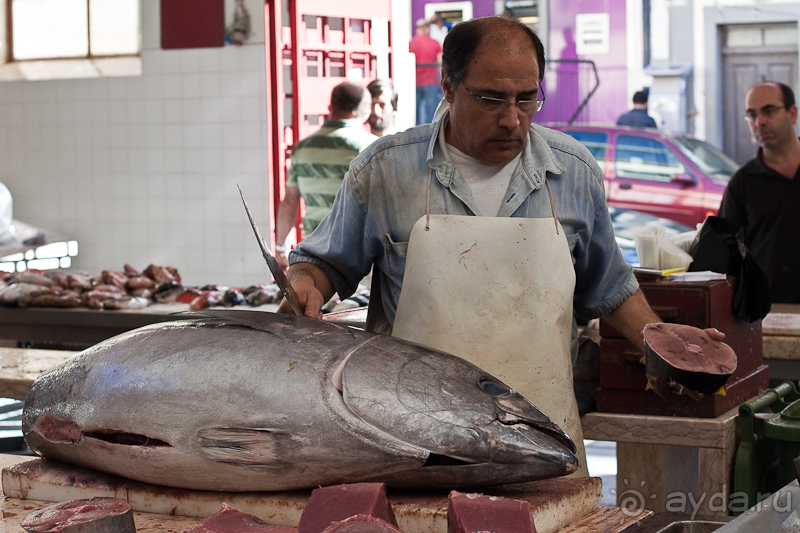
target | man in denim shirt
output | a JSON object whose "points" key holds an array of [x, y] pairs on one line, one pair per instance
{"points": [[485, 230], [384, 194]]}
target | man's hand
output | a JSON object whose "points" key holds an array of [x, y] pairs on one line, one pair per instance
{"points": [[311, 286]]}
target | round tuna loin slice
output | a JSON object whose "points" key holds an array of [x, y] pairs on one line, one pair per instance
{"points": [[687, 356], [97, 515]]}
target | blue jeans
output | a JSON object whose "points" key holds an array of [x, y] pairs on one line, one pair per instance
{"points": [[428, 97]]}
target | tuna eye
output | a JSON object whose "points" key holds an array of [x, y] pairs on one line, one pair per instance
{"points": [[495, 388]]}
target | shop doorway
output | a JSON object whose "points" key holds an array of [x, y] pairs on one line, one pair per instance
{"points": [[752, 53]]}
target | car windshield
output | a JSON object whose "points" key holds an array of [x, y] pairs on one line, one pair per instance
{"points": [[626, 221], [715, 164]]}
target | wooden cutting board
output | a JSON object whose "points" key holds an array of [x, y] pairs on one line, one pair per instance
{"points": [[555, 503]]}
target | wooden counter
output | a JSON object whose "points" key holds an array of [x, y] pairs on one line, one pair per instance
{"points": [[83, 327], [663, 456], [568, 505], [13, 511], [781, 330], [649, 447]]}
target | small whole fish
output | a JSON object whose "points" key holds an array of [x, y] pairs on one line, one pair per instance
{"points": [[126, 302], [32, 278], [12, 294], [237, 400]]}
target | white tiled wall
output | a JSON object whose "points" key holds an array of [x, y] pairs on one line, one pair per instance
{"points": [[144, 169]]}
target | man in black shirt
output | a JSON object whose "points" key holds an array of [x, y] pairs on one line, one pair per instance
{"points": [[637, 117], [764, 195]]}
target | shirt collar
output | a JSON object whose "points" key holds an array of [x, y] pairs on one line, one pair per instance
{"points": [[340, 123], [537, 156], [537, 160]]}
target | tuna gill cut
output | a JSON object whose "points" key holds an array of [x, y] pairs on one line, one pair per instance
{"points": [[239, 400]]}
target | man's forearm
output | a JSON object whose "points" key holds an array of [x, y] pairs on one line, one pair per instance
{"points": [[631, 317], [287, 213]]}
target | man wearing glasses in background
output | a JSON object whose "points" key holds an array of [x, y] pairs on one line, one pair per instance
{"points": [[763, 196], [484, 229]]}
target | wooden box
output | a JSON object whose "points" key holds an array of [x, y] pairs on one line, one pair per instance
{"points": [[700, 304]]}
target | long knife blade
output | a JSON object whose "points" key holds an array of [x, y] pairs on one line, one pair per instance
{"points": [[272, 263]]}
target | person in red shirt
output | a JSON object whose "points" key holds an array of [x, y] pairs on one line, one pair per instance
{"points": [[428, 54]]}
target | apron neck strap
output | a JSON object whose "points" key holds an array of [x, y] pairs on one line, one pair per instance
{"points": [[428, 202], [552, 204]]}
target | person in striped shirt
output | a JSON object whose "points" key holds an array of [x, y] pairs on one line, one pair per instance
{"points": [[320, 161]]}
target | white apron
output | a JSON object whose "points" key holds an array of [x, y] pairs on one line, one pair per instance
{"points": [[497, 291]]}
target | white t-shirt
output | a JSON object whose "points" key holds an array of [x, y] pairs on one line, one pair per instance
{"points": [[488, 183]]}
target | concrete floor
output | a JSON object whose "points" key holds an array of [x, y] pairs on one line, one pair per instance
{"points": [[601, 458]]}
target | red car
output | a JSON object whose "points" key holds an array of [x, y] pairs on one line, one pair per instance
{"points": [[668, 175]]}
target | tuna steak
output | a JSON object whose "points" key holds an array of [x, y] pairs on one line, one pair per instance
{"points": [[686, 359], [96, 515], [247, 400]]}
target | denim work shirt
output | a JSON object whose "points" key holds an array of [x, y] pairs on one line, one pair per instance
{"points": [[384, 194]]}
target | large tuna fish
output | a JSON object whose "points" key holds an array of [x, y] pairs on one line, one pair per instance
{"points": [[247, 400]]}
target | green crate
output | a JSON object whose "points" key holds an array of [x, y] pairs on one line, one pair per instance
{"points": [[768, 444]]}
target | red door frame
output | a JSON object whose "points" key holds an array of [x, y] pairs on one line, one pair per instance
{"points": [[293, 48]]}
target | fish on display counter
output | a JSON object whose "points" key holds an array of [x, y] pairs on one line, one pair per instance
{"points": [[248, 400], [13, 293], [127, 289], [126, 302]]}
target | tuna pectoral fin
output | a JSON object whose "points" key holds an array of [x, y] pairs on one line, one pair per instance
{"points": [[244, 446]]}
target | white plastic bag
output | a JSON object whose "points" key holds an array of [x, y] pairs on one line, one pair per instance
{"points": [[657, 251]]}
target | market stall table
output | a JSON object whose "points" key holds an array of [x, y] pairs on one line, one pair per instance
{"points": [[664, 460], [30, 485], [781, 331], [80, 327]]}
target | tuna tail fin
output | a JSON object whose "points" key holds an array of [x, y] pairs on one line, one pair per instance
{"points": [[288, 327]]}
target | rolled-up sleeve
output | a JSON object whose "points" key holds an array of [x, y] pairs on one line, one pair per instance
{"points": [[341, 240], [603, 279]]}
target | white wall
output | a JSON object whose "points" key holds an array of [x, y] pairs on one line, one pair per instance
{"points": [[634, 36], [144, 169]]}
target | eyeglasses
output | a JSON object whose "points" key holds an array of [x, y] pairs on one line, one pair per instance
{"points": [[768, 111], [498, 105]]}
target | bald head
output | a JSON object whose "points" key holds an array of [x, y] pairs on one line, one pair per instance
{"points": [[771, 114], [350, 100], [787, 94], [501, 35]]}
